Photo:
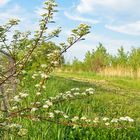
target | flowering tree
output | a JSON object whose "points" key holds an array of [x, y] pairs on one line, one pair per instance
{"points": [[17, 54]]}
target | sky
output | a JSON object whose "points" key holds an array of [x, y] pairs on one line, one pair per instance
{"points": [[114, 23]]}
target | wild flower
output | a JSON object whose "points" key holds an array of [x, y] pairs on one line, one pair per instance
{"points": [[72, 89], [22, 132], [24, 72], [77, 89], [34, 76], [65, 116], [69, 95], [37, 85], [44, 87], [43, 75], [14, 107], [90, 89], [56, 51], [38, 93], [68, 92], [45, 106], [57, 111], [107, 123], [51, 115], [105, 119], [114, 120], [34, 109], [83, 93], [43, 65], [55, 63], [131, 120], [36, 119], [23, 95], [127, 118], [96, 120], [52, 98], [13, 125], [49, 103], [38, 103], [16, 99], [123, 119], [83, 118], [91, 92], [88, 121], [75, 118], [49, 55], [76, 93]]}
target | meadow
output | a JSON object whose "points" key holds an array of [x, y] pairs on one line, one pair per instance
{"points": [[97, 98], [114, 97]]}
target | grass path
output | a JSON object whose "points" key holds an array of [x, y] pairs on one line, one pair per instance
{"points": [[116, 85]]}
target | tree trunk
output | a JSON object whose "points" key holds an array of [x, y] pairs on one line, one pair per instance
{"points": [[11, 82]]}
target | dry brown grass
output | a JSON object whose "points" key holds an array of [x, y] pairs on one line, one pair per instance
{"points": [[119, 71]]}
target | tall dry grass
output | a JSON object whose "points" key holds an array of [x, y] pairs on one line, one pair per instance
{"points": [[119, 71]]}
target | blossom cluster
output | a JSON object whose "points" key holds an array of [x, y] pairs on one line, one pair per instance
{"points": [[75, 93]]}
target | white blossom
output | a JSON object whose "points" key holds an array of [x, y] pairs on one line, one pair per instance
{"points": [[38, 93], [83, 118], [76, 93], [115, 120], [107, 123], [43, 75], [43, 65], [51, 115], [105, 119], [23, 95], [75, 118], [83, 93], [22, 132], [34, 109], [66, 116], [17, 99], [44, 87], [49, 103], [14, 107], [45, 106], [37, 85], [57, 111]]}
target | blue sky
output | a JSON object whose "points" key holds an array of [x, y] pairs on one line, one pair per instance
{"points": [[114, 23]]}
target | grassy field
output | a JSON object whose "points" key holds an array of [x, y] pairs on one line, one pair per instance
{"points": [[114, 98]]}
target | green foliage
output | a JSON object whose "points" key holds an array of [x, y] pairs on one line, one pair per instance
{"points": [[134, 60], [42, 55], [94, 61], [121, 59], [97, 60], [103, 103]]}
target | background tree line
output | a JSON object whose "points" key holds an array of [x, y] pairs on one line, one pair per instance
{"points": [[99, 59]]}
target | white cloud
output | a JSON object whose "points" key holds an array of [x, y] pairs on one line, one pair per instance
{"points": [[10, 13], [39, 11], [130, 29], [82, 19], [87, 6], [92, 40], [3, 2], [18, 12]]}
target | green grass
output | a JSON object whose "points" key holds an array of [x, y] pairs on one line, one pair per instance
{"points": [[126, 83], [105, 103]]}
